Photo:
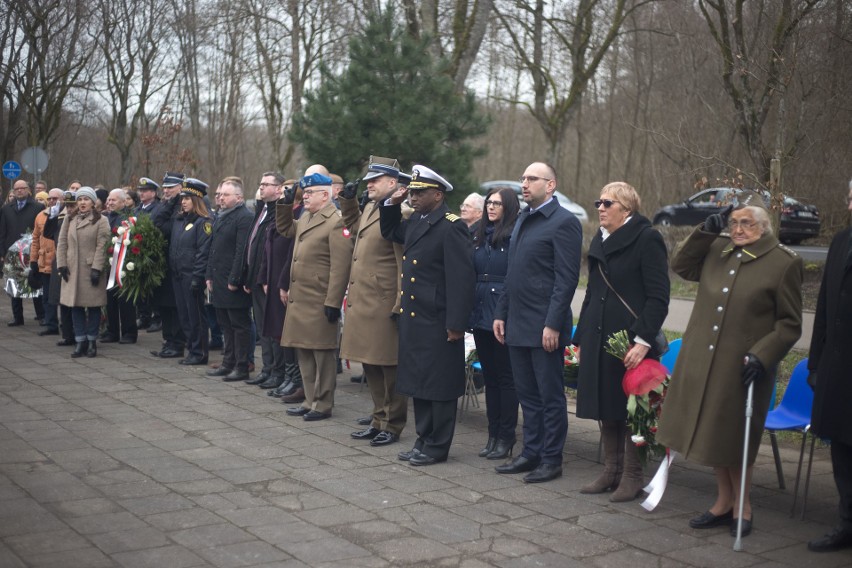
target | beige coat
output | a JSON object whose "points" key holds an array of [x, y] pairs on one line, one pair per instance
{"points": [[43, 249], [81, 247], [318, 274], [370, 335], [749, 301]]}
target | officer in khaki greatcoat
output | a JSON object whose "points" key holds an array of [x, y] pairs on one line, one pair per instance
{"points": [[370, 334]]}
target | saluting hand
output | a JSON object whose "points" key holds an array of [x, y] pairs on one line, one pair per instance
{"points": [[399, 195]]}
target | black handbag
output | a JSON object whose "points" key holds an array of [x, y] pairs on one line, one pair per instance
{"points": [[660, 343]]}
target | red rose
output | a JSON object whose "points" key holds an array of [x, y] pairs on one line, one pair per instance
{"points": [[136, 250], [110, 250], [115, 230], [137, 238]]}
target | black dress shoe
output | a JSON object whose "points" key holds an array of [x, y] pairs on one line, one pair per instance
{"points": [[290, 388], [279, 392], [544, 472], [406, 456], [235, 375], [66, 342], [708, 520], [313, 416], [367, 434], [170, 353], [384, 438], [746, 527], [220, 372], [194, 361], [155, 327], [106, 338], [261, 377], [273, 382], [359, 379], [15, 323], [128, 340], [424, 459], [364, 421], [297, 411], [518, 465], [48, 331], [838, 539]]}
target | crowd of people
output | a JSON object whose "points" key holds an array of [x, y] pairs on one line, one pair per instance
{"points": [[394, 279]]}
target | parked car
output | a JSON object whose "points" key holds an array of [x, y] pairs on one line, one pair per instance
{"points": [[798, 221], [563, 199]]}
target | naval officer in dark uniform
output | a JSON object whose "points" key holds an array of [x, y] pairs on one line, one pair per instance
{"points": [[436, 297], [188, 253]]}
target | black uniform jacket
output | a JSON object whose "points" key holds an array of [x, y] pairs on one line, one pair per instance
{"points": [[437, 283], [189, 248], [227, 254], [163, 218]]}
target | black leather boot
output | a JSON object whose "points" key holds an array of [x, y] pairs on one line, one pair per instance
{"points": [[489, 447], [502, 450], [92, 351], [80, 349]]}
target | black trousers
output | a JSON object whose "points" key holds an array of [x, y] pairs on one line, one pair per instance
{"points": [[435, 422], [501, 400], [841, 463], [18, 308], [538, 381], [66, 323], [51, 320], [193, 319], [267, 344], [236, 335], [173, 335], [121, 316]]}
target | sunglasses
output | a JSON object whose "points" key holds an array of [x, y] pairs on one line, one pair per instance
{"points": [[607, 203]]}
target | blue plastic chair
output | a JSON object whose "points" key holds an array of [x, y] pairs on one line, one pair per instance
{"points": [[793, 414], [668, 360]]}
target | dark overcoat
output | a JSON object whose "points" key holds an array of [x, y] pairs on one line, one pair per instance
{"points": [[189, 248], [53, 227], [370, 335], [749, 301], [490, 262], [274, 272], [150, 210], [544, 268], [163, 218], [226, 258], [832, 336], [635, 261], [436, 294], [14, 223], [255, 248]]}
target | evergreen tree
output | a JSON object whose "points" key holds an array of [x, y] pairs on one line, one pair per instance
{"points": [[393, 100]]}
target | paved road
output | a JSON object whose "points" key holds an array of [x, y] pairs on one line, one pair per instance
{"points": [[811, 253], [125, 460]]}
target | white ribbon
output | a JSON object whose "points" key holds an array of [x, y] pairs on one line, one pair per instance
{"points": [[119, 254], [657, 487]]}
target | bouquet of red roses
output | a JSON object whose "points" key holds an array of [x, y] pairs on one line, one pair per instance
{"points": [[137, 258], [16, 268]]}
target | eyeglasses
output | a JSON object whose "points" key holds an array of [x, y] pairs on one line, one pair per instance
{"points": [[744, 225], [270, 185], [532, 179], [490, 203], [607, 203], [466, 206], [309, 192]]}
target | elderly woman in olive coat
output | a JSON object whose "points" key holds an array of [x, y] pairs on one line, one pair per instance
{"points": [[747, 315]]}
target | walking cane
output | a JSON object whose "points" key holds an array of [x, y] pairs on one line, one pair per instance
{"points": [[738, 544]]}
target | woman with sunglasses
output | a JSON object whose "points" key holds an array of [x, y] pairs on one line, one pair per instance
{"points": [[626, 258], [491, 260], [747, 315]]}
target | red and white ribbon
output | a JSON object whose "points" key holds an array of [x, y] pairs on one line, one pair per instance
{"points": [[657, 487], [119, 253]]}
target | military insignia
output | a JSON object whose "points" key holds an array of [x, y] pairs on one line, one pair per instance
{"points": [[451, 217], [188, 227], [208, 227], [346, 233]]}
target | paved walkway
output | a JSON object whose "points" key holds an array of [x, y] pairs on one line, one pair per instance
{"points": [[125, 460]]}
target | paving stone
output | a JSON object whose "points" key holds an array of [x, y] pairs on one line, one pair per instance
{"points": [[330, 549], [9, 559], [171, 556], [330, 516], [156, 504], [101, 523], [255, 516], [242, 554], [183, 519], [412, 550], [27, 545], [133, 539], [210, 535], [84, 507]]}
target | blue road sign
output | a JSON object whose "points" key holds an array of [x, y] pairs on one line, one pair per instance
{"points": [[11, 170]]}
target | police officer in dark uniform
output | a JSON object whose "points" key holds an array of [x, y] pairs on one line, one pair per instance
{"points": [[188, 253], [164, 297], [436, 297]]}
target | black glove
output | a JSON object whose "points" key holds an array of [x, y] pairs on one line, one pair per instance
{"points": [[289, 195], [32, 278], [332, 314], [812, 380], [718, 221], [350, 190], [395, 317], [64, 272], [33, 267], [95, 276], [365, 199], [753, 370], [196, 287]]}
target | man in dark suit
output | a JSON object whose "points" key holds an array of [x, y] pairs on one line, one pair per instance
{"points": [[828, 363], [533, 317], [121, 312], [225, 279], [17, 217], [148, 203], [436, 296], [270, 192]]}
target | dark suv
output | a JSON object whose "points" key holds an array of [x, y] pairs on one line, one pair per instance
{"points": [[798, 221]]}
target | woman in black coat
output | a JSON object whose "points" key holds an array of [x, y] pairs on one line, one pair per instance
{"points": [[828, 363], [633, 258], [490, 261]]}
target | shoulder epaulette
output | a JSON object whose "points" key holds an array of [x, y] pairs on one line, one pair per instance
{"points": [[788, 250], [451, 217]]}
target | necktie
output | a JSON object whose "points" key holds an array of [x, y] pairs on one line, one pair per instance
{"points": [[256, 225]]}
